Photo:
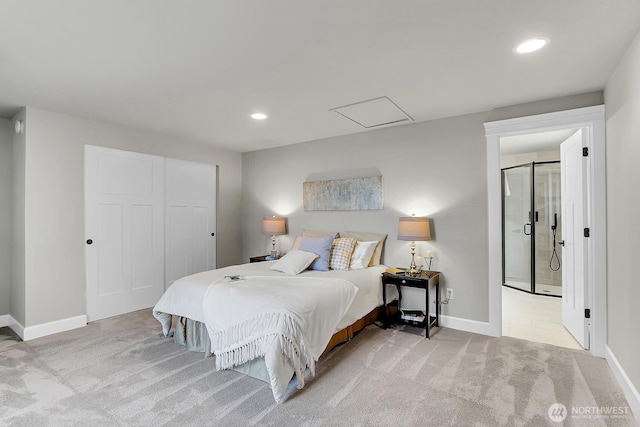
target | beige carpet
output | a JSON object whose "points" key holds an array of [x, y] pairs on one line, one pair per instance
{"points": [[121, 372]]}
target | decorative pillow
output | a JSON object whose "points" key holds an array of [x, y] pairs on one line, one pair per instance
{"points": [[294, 262], [366, 237], [362, 254], [314, 233], [320, 246], [341, 253], [296, 242]]}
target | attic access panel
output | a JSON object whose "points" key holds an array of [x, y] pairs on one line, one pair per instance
{"points": [[373, 112]]}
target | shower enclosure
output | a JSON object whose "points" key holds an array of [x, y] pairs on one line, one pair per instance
{"points": [[532, 228]]}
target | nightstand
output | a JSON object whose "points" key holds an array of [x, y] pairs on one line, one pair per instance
{"points": [[259, 258], [426, 280]]}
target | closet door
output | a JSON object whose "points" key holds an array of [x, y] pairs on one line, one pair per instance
{"points": [[190, 218], [124, 225]]}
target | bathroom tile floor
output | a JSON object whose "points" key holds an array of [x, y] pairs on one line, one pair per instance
{"points": [[535, 318]]}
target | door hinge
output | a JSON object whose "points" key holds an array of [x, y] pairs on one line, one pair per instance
{"points": [[585, 151], [587, 313], [587, 232]]}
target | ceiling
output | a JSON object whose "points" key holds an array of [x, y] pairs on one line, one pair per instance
{"points": [[198, 69]]}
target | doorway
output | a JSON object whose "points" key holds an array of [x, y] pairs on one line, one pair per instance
{"points": [[591, 121], [532, 228]]}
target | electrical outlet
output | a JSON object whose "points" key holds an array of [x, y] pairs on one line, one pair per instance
{"points": [[449, 293]]}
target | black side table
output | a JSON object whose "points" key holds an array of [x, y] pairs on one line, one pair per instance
{"points": [[425, 280], [261, 258]]}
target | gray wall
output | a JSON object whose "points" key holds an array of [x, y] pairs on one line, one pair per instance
{"points": [[18, 273], [435, 169], [6, 156], [54, 282], [622, 97], [548, 106]]}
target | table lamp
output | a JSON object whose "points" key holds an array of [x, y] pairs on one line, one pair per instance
{"points": [[274, 226], [414, 229]]}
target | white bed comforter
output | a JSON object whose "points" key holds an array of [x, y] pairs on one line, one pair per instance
{"points": [[275, 318], [185, 298]]}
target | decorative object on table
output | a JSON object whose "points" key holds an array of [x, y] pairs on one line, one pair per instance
{"points": [[343, 194], [419, 262], [274, 226], [414, 229], [428, 256]]}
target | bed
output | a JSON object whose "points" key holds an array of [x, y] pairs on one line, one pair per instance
{"points": [[269, 324]]}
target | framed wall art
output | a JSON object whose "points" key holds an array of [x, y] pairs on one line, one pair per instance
{"points": [[343, 194]]}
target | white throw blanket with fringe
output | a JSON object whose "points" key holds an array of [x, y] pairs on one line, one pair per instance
{"points": [[283, 319]]}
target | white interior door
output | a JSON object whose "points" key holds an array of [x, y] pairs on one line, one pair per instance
{"points": [[191, 218], [124, 225], [574, 252]]}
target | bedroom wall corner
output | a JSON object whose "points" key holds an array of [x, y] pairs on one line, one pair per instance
{"points": [[18, 170], [622, 98], [6, 207]]}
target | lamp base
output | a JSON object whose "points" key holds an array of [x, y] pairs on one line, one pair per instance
{"points": [[413, 272]]}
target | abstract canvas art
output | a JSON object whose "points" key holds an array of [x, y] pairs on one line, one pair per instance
{"points": [[343, 194]]}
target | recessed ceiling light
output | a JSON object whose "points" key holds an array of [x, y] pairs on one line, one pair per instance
{"points": [[258, 116], [531, 45]]}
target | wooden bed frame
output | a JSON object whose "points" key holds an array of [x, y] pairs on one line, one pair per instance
{"points": [[347, 333]]}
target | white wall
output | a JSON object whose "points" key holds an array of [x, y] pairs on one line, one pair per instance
{"points": [[511, 160], [54, 282], [622, 97], [434, 169], [6, 156]]}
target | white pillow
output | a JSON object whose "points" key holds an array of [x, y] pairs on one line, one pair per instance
{"points": [[367, 237], [294, 262], [362, 254]]}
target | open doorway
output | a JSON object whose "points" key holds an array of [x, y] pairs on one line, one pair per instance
{"points": [[532, 238], [592, 277]]}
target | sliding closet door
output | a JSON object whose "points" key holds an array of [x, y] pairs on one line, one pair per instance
{"points": [[124, 224], [190, 218]]}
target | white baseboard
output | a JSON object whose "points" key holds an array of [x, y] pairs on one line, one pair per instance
{"points": [[44, 329], [4, 320], [630, 391], [466, 325], [15, 325]]}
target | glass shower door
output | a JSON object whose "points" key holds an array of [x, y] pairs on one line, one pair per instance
{"points": [[548, 229], [516, 205]]}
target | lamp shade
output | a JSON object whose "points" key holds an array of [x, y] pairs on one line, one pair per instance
{"points": [[273, 225], [414, 228]]}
